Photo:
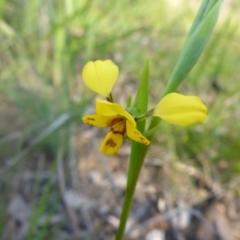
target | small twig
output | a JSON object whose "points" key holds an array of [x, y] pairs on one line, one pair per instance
{"points": [[220, 193], [169, 215], [192, 171]]}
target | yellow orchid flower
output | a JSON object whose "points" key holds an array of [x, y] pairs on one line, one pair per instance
{"points": [[181, 110], [121, 122], [174, 108], [100, 76]]}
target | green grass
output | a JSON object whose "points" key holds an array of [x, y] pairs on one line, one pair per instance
{"points": [[44, 45]]}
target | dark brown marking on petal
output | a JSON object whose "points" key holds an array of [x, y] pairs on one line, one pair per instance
{"points": [[118, 132], [123, 132], [91, 119], [110, 143], [143, 141]]}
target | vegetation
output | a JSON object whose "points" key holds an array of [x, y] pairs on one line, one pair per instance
{"points": [[44, 46]]}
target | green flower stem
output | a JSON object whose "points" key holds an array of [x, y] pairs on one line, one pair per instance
{"points": [[136, 161], [137, 158]]}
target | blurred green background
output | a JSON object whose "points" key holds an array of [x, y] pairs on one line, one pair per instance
{"points": [[43, 48]]}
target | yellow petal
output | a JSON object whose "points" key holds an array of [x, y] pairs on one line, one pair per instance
{"points": [[113, 109], [181, 110], [111, 143], [135, 135], [98, 120], [100, 76]]}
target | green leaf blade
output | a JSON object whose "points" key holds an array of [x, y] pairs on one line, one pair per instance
{"points": [[141, 100], [193, 49]]}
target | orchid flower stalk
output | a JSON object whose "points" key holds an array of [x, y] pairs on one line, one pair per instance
{"points": [[129, 123]]}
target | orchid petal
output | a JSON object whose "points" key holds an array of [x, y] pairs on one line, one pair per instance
{"points": [[113, 109], [181, 110], [135, 135], [98, 120], [111, 143], [100, 76]]}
